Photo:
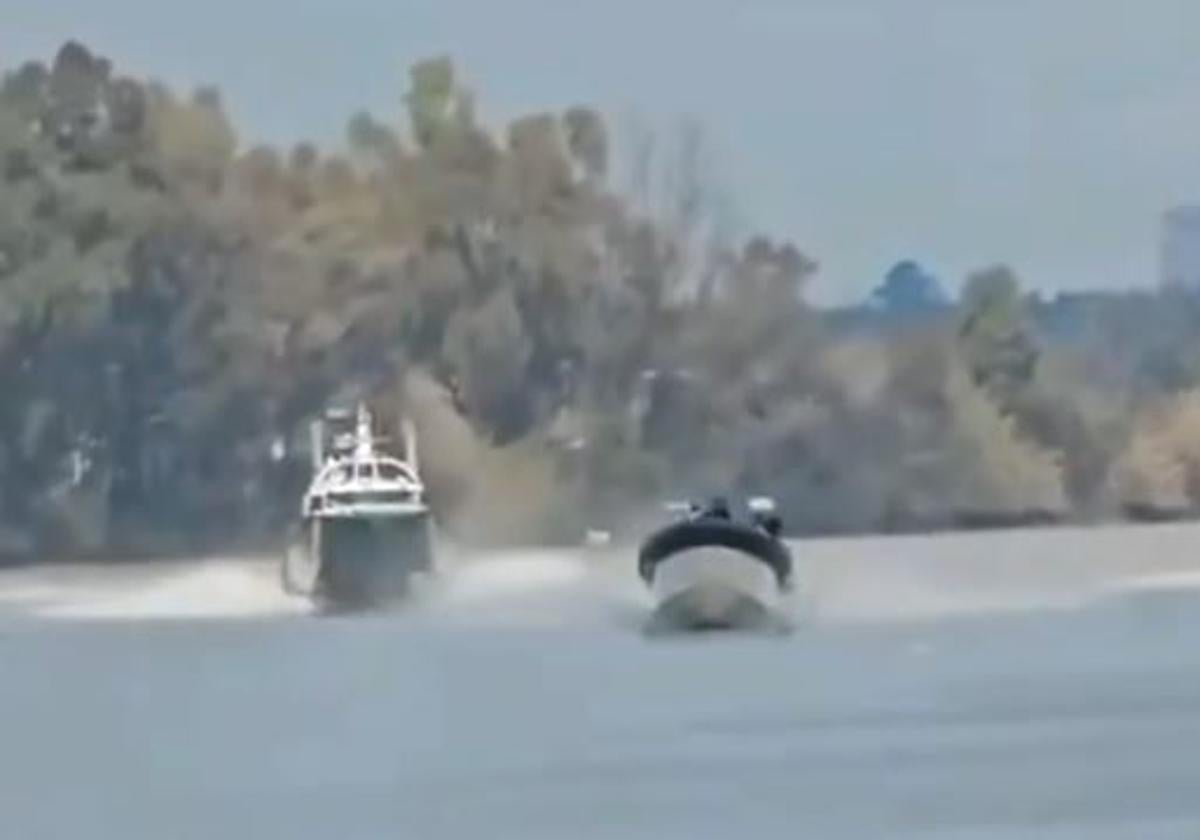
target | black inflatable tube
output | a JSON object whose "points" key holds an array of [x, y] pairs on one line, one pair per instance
{"points": [[720, 533]]}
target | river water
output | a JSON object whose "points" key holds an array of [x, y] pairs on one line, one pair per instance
{"points": [[975, 686]]}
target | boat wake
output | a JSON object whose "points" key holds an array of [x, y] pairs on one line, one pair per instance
{"points": [[208, 589], [536, 588], [514, 589], [839, 582]]}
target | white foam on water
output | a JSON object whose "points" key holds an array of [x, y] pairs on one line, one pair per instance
{"points": [[515, 588], [533, 587], [219, 588], [838, 581], [513, 575]]}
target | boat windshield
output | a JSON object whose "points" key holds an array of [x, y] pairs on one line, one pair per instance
{"points": [[372, 497]]}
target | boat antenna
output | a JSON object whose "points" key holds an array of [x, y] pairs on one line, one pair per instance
{"points": [[364, 443], [410, 445], [316, 435]]}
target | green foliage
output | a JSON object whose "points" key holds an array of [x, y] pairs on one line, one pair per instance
{"points": [[434, 100], [172, 304], [588, 140], [995, 339]]}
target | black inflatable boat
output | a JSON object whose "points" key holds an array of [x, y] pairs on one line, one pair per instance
{"points": [[714, 570]]}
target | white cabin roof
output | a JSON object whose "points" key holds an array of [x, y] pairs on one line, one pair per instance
{"points": [[359, 480]]}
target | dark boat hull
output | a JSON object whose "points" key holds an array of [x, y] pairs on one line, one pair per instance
{"points": [[360, 562]]}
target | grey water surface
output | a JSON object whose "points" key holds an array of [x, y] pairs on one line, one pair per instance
{"points": [[976, 686]]}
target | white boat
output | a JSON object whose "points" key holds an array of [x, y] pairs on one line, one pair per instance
{"points": [[708, 570], [365, 529]]}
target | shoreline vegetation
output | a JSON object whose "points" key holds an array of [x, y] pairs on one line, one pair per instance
{"points": [[576, 341]]}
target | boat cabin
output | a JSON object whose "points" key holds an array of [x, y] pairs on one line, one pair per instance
{"points": [[359, 480]]}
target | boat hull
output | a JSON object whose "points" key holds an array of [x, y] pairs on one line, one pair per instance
{"points": [[357, 562], [714, 588]]}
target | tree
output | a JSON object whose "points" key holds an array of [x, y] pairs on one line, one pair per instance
{"points": [[587, 138], [540, 172], [373, 144], [998, 345], [171, 305], [435, 102], [908, 289], [195, 139], [489, 350]]}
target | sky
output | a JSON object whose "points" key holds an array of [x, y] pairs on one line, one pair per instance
{"points": [[1046, 134]]}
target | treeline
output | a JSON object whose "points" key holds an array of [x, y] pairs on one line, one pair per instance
{"points": [[176, 306]]}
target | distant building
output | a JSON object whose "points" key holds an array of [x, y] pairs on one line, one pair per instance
{"points": [[1180, 256]]}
